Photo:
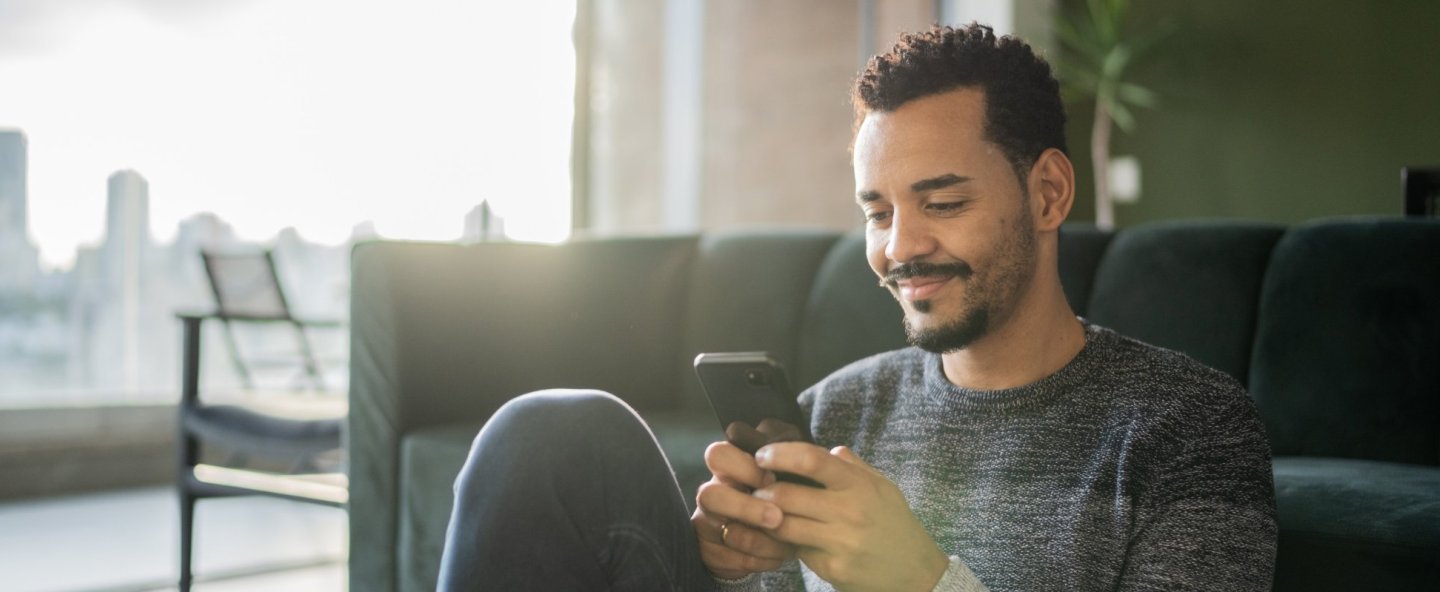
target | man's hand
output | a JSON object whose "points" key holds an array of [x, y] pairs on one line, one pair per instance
{"points": [[730, 522], [859, 533]]}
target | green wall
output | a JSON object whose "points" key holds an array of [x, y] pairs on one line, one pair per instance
{"points": [[1278, 110]]}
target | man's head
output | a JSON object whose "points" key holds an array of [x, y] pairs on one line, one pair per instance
{"points": [[960, 169], [1023, 112]]}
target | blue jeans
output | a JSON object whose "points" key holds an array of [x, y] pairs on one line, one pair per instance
{"points": [[568, 490]]}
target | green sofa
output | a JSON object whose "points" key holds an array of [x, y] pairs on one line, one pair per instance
{"points": [[1334, 326]]}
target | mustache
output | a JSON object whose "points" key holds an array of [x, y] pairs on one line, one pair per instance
{"points": [[957, 269]]}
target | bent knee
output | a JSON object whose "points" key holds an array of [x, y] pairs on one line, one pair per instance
{"points": [[559, 414], [557, 405]]}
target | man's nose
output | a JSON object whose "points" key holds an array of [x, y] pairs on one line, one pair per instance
{"points": [[910, 239]]}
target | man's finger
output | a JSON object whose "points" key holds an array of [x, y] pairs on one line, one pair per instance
{"points": [[707, 527], [805, 532], [754, 542], [722, 502], [726, 562], [733, 464], [803, 500], [807, 460]]}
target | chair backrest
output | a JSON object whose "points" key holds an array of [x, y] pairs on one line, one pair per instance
{"points": [[246, 285], [1422, 191]]}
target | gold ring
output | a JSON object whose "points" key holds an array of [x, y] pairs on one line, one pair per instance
{"points": [[724, 532]]}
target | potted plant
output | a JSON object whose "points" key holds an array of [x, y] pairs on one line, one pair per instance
{"points": [[1099, 50]]}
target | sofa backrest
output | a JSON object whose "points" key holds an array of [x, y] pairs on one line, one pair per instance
{"points": [[747, 292], [1082, 246], [848, 316], [1191, 286], [469, 327], [1347, 351]]}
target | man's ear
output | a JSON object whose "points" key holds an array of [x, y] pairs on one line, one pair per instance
{"points": [[1052, 189]]}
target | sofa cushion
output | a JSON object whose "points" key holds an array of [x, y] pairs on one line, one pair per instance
{"points": [[1187, 286], [430, 458], [1347, 351], [1350, 524], [683, 438]]}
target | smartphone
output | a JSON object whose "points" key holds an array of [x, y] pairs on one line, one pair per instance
{"points": [[753, 400]]}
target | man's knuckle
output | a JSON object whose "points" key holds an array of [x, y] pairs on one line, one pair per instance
{"points": [[737, 537], [825, 567], [705, 497], [712, 452], [753, 563], [806, 463]]}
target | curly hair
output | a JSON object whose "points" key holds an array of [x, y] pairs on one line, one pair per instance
{"points": [[1023, 112]]}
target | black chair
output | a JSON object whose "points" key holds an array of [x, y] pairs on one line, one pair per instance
{"points": [[290, 456], [1422, 191]]}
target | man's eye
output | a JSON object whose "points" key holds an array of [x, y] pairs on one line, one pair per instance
{"points": [[876, 216], [946, 207]]}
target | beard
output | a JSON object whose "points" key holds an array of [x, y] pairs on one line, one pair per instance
{"points": [[953, 336], [989, 297]]}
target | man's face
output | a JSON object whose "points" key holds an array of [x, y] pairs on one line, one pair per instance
{"points": [[948, 226]]}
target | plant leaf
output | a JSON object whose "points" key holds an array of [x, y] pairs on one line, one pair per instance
{"points": [[1113, 68], [1146, 40], [1102, 18], [1122, 116], [1080, 41], [1136, 95]]}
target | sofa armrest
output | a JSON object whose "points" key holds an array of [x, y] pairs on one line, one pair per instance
{"points": [[442, 334]]}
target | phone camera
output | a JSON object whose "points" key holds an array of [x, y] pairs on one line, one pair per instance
{"points": [[756, 378]]}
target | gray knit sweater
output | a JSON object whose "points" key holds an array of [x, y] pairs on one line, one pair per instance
{"points": [[1132, 468]]}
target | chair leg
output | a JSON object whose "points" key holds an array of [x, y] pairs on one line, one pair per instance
{"points": [[312, 365], [187, 528]]}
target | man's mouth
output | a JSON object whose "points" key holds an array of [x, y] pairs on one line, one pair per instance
{"points": [[922, 280], [921, 288]]}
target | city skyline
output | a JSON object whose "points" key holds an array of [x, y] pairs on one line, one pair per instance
{"points": [[316, 115], [16, 235], [98, 332], [127, 209]]}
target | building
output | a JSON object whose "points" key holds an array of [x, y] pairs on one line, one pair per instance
{"points": [[19, 261], [481, 225], [124, 255]]}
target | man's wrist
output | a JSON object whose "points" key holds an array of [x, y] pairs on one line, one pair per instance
{"points": [[959, 578], [933, 569]]}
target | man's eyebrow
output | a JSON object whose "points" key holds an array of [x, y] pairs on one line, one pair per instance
{"points": [[939, 182], [922, 185]]}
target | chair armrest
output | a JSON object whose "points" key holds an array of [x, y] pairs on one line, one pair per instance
{"points": [[320, 323], [188, 315]]}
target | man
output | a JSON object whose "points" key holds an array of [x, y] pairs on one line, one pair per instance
{"points": [[1015, 447]]}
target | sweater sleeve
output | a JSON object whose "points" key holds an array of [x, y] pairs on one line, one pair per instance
{"points": [[1206, 520], [785, 579], [958, 578]]}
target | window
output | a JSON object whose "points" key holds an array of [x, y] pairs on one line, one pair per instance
{"points": [[137, 131]]}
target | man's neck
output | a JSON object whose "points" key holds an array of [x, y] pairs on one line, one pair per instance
{"points": [[1039, 339]]}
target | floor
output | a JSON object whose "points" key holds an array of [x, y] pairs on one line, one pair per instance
{"points": [[128, 541]]}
